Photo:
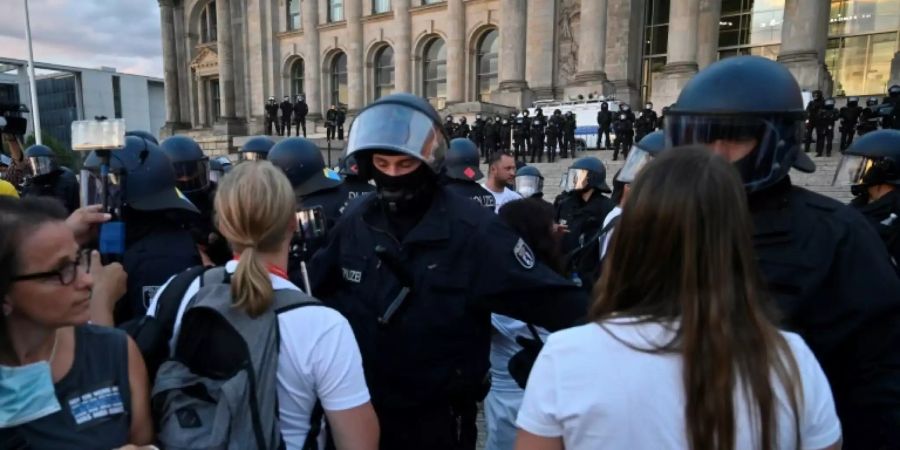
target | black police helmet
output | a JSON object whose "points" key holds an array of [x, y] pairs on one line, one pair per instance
{"points": [[41, 160], [529, 182], [301, 160], [399, 123], [653, 143], [143, 135], [894, 91], [829, 103], [256, 147], [871, 101], [853, 101], [461, 162], [744, 99], [872, 159], [122, 160], [649, 147], [587, 172], [190, 163], [151, 184]]}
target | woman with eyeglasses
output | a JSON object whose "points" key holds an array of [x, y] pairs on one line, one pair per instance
{"points": [[63, 382]]}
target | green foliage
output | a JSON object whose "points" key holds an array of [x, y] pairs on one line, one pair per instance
{"points": [[66, 156]]}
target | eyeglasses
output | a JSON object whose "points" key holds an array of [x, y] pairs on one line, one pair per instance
{"points": [[66, 274]]}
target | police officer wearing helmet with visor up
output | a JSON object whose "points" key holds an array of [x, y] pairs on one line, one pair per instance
{"points": [[48, 178], [582, 206], [417, 271], [256, 148], [462, 173], [823, 263]]}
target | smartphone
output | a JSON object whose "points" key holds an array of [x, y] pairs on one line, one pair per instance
{"points": [[311, 223]]}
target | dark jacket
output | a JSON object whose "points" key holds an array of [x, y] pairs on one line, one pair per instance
{"points": [[604, 118], [61, 185], [287, 109], [584, 219], [300, 110]]}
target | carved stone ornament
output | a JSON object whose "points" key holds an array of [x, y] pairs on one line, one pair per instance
{"points": [[567, 26]]}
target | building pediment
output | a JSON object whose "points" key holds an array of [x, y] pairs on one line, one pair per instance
{"points": [[206, 61]]}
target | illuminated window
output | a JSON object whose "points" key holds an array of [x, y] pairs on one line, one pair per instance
{"points": [[863, 39], [751, 27]]}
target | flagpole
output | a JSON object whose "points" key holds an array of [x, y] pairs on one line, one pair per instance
{"points": [[35, 114]]}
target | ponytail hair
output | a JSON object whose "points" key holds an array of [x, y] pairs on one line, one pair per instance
{"points": [[254, 208]]}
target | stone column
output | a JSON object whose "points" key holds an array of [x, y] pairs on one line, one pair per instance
{"points": [[804, 35], [226, 59], [402, 56], [625, 26], [513, 88], [170, 63], [456, 51], [312, 63], [201, 103], [684, 18], [353, 10], [708, 32], [540, 64], [592, 51]]}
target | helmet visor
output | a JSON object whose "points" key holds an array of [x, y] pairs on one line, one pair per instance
{"points": [[41, 165], [252, 156], [528, 185], [191, 176], [576, 180], [397, 128], [637, 159], [852, 170], [750, 143]]}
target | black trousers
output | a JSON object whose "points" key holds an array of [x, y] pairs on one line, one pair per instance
{"points": [[604, 131], [271, 123], [330, 133], [847, 136], [537, 147], [285, 127], [807, 141], [300, 123], [824, 138], [340, 132], [433, 428], [624, 141], [520, 150]]}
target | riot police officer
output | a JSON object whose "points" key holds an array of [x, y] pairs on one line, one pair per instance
{"points": [[823, 263], [354, 185], [272, 116], [871, 167], [538, 124], [892, 119], [255, 148], [317, 189], [462, 129], [624, 128], [301, 109], [449, 126], [287, 111], [341, 118], [660, 124], [604, 122], [812, 111], [331, 118], [417, 270], [48, 178], [143, 135], [569, 126], [218, 167], [868, 118], [505, 130], [646, 123], [555, 138], [491, 137], [824, 123], [849, 118], [529, 182], [520, 135], [462, 173], [582, 206], [477, 135]]}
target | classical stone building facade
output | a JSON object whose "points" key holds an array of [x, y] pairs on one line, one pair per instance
{"points": [[224, 58]]}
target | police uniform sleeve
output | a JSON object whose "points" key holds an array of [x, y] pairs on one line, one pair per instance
{"points": [[323, 269], [509, 280], [148, 271]]}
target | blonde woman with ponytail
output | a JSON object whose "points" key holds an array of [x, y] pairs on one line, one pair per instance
{"points": [[318, 357]]}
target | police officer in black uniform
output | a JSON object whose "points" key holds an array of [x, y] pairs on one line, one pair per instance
{"points": [[449, 126], [272, 117], [849, 118], [505, 129], [331, 117], [582, 206], [646, 123], [660, 124], [520, 135], [824, 123], [256, 148], [868, 119], [529, 182], [623, 125], [462, 173], [48, 178], [555, 134], [538, 125], [871, 167], [287, 111], [604, 121], [823, 262], [569, 126], [416, 270], [491, 138], [477, 135], [891, 120], [462, 129], [341, 119], [354, 185], [301, 109], [812, 112]]}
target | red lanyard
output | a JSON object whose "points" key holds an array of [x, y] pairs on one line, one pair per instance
{"points": [[273, 269]]}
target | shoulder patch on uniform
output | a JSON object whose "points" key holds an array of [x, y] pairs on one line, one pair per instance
{"points": [[524, 254], [148, 292]]}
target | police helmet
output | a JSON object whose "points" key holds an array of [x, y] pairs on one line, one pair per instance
{"points": [[817, 94], [604, 106], [625, 107], [190, 163], [151, 185], [853, 101], [829, 103], [750, 100], [529, 182], [348, 166], [539, 112], [872, 101], [218, 167], [449, 118], [641, 154], [462, 119], [585, 173], [41, 160], [525, 113], [461, 162], [256, 148], [5, 161], [399, 123], [894, 91], [557, 112], [143, 135], [649, 105], [872, 159], [300, 159]]}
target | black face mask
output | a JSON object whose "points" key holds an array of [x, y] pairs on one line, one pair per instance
{"points": [[406, 195]]}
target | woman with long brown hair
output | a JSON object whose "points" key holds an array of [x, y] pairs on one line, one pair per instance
{"points": [[682, 351]]}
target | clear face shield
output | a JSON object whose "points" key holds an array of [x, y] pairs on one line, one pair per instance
{"points": [[637, 159], [397, 128], [191, 176], [575, 180], [750, 143], [852, 171], [42, 165], [529, 185]]}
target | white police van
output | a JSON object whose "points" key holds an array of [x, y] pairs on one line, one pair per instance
{"points": [[585, 117]]}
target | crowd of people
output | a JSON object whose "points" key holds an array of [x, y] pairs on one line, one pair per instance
{"points": [[694, 299]]}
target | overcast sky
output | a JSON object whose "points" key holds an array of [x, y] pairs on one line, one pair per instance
{"points": [[86, 33]]}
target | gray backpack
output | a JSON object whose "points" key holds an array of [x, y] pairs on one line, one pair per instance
{"points": [[218, 391]]}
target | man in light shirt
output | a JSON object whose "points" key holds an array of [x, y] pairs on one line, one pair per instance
{"points": [[501, 175]]}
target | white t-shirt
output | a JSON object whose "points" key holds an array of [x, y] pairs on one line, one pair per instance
{"points": [[502, 198], [595, 392], [318, 359], [504, 347]]}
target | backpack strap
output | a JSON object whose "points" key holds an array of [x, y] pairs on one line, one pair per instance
{"points": [[170, 299], [315, 427]]}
